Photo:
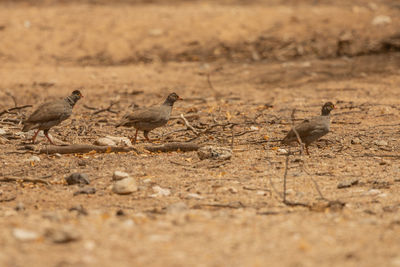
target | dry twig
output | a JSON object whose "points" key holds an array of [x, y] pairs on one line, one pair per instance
{"points": [[14, 108], [8, 179], [80, 149], [108, 109], [189, 126], [169, 147]]}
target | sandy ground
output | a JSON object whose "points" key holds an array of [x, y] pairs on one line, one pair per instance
{"points": [[265, 58]]}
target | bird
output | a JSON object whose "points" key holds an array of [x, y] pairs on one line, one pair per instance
{"points": [[311, 129], [50, 114], [149, 118]]}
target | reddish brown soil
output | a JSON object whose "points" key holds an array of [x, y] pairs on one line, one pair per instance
{"points": [[284, 54]]}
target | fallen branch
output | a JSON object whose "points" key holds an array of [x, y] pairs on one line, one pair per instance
{"points": [[22, 179], [14, 108], [187, 116], [184, 147], [188, 125], [107, 109], [233, 205], [80, 149]]}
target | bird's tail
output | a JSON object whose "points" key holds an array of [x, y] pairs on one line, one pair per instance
{"points": [[27, 127]]}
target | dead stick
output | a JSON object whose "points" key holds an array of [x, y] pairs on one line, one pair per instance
{"points": [[187, 116], [285, 176], [14, 108], [107, 109], [188, 125], [81, 149], [29, 180], [184, 147]]}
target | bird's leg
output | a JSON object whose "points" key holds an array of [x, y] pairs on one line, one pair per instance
{"points": [[308, 153], [133, 140], [46, 133], [34, 136], [146, 133]]}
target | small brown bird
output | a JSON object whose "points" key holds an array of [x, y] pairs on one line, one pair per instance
{"points": [[51, 114], [312, 129], [147, 119]]}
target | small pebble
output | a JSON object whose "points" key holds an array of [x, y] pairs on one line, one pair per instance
{"points": [[77, 178], [81, 163], [34, 159], [125, 186], [120, 141], [104, 142], [79, 209], [381, 20], [380, 143], [194, 196], [2, 131], [120, 213], [119, 175], [58, 155], [356, 141], [24, 235], [348, 183], [20, 206], [261, 193], [63, 235], [372, 192], [160, 192], [281, 151], [254, 128], [86, 190]]}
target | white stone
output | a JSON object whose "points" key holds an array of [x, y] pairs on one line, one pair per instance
{"points": [[24, 235], [381, 20], [261, 193], [254, 128], [282, 151], [194, 196], [34, 159], [103, 141], [125, 186], [119, 175], [372, 192], [2, 131], [121, 141], [160, 192], [380, 143]]}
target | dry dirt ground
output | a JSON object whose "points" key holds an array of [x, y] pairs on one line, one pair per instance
{"points": [[264, 59]]}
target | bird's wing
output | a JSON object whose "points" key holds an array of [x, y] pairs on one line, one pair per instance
{"points": [[48, 111], [151, 114], [308, 127]]}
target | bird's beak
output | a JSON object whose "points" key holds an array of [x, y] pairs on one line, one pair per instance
{"points": [[81, 95], [180, 98]]}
